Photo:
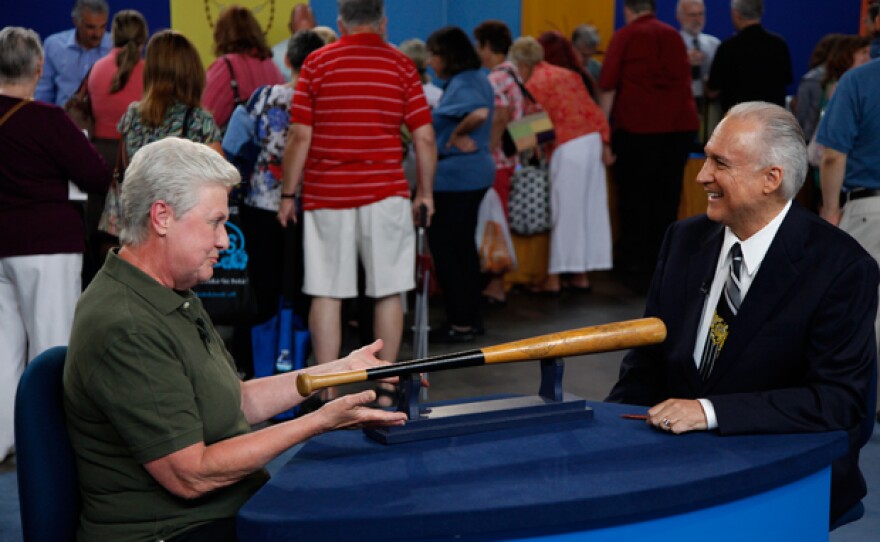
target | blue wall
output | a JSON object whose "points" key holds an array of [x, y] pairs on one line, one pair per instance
{"points": [[801, 22], [49, 16], [418, 18]]}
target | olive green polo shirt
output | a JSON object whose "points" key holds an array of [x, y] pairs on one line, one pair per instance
{"points": [[146, 375]]}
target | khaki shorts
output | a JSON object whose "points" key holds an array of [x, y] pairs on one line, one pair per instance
{"points": [[381, 233]]}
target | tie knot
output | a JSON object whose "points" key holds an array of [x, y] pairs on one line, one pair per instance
{"points": [[696, 42]]}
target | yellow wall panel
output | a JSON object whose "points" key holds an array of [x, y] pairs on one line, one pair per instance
{"points": [[564, 15], [195, 19]]}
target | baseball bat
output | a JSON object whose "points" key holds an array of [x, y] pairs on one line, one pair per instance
{"points": [[575, 342]]}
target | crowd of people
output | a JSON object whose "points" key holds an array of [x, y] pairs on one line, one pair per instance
{"points": [[335, 115]]}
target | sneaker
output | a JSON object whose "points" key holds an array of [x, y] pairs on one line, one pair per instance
{"points": [[448, 335]]}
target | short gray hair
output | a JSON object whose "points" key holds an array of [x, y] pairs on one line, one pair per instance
{"points": [[640, 6], [95, 6], [20, 54], [361, 12], [586, 34], [171, 170], [749, 10], [681, 3], [781, 142], [526, 50]]}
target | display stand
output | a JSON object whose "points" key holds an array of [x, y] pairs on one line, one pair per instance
{"points": [[438, 420]]}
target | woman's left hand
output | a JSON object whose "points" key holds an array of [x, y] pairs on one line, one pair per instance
{"points": [[464, 143]]}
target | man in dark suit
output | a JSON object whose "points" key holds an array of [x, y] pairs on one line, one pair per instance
{"points": [[769, 309]]}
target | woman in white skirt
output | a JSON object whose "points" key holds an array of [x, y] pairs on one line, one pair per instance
{"points": [[580, 240]]}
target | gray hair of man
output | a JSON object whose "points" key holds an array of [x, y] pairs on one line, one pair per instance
{"points": [[586, 34], [354, 13], [750, 10], [95, 6], [639, 6], [20, 55], [681, 3], [526, 50], [780, 142], [171, 170]]}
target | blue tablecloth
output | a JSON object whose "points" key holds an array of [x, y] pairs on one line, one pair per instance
{"points": [[515, 483]]}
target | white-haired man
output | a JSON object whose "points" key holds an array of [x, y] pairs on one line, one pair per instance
{"points": [[158, 418], [769, 310], [691, 15]]}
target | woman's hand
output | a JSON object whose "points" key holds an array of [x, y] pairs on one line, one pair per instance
{"points": [[351, 411], [608, 157], [464, 143]]}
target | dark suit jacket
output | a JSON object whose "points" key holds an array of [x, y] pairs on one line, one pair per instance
{"points": [[800, 354]]}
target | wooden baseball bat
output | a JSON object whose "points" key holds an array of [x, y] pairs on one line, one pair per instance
{"points": [[575, 342]]}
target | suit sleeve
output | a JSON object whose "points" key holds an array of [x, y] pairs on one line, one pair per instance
{"points": [[642, 379], [839, 362]]}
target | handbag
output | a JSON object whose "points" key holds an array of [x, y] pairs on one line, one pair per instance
{"points": [[111, 217], [79, 107], [530, 131], [228, 295], [285, 331], [494, 244], [529, 203], [527, 133]]}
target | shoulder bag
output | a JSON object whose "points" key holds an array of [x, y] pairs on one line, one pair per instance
{"points": [[111, 217], [79, 107]]}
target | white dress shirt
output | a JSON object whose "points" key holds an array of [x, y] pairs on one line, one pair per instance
{"points": [[708, 45], [754, 249]]}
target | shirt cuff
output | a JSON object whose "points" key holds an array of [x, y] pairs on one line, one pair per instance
{"points": [[709, 411]]}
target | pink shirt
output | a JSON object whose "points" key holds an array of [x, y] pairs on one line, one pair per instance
{"points": [[250, 73], [109, 108]]}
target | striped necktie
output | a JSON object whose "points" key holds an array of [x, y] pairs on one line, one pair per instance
{"points": [[728, 306]]}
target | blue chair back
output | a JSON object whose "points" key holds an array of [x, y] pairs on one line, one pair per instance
{"points": [[47, 482]]}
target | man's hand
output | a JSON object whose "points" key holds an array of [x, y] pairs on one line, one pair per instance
{"points": [[678, 416], [831, 214], [428, 202], [287, 211], [696, 57]]}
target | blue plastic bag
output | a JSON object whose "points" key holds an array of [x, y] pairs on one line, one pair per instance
{"points": [[285, 330]]}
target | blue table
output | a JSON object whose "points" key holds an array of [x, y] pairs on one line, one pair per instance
{"points": [[607, 479]]}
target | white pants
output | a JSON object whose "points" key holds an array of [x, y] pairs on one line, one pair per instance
{"points": [[580, 239], [861, 219], [381, 232], [37, 297]]}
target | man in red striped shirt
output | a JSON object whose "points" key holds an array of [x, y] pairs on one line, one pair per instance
{"points": [[351, 99]]}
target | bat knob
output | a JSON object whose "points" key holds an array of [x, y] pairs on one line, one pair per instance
{"points": [[304, 384]]}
